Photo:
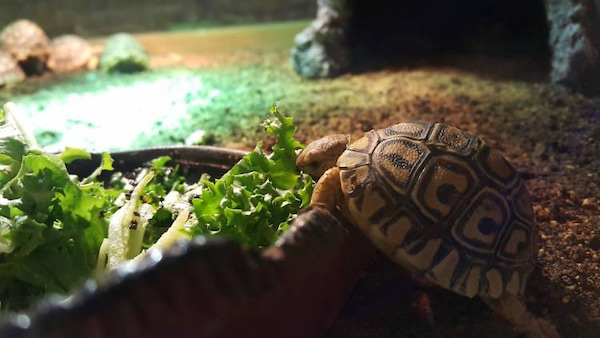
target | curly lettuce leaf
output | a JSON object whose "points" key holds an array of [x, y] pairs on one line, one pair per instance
{"points": [[258, 198], [51, 225], [72, 154]]}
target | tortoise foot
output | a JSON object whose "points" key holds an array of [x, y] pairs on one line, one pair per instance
{"points": [[513, 310]]}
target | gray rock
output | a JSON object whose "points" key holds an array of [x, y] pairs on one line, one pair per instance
{"points": [[321, 50], [574, 29], [122, 53]]}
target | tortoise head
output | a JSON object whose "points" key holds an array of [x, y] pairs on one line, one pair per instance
{"points": [[322, 154]]}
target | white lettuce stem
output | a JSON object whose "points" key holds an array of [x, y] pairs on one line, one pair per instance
{"points": [[119, 226], [136, 234], [170, 236]]}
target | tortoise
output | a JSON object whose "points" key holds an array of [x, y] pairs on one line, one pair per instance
{"points": [[439, 202], [10, 72], [70, 53], [25, 41]]}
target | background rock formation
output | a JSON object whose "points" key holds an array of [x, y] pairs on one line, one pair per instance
{"points": [[355, 34]]}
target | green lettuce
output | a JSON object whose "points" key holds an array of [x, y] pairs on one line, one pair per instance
{"points": [[51, 225], [167, 180], [258, 198]]}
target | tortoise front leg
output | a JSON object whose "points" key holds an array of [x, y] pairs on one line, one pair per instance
{"points": [[513, 310], [328, 192]]}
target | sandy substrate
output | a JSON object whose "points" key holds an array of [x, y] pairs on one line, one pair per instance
{"points": [[550, 135]]}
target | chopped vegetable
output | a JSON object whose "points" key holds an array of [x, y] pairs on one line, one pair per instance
{"points": [[56, 230], [170, 236], [122, 241], [51, 225], [258, 198]]}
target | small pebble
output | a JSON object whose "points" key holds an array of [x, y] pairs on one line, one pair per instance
{"points": [[589, 204]]}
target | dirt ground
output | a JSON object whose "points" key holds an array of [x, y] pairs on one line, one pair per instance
{"points": [[551, 135]]}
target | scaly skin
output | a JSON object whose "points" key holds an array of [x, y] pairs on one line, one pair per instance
{"points": [[322, 154], [319, 161], [328, 192]]}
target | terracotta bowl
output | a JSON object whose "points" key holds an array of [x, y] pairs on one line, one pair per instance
{"points": [[210, 287]]}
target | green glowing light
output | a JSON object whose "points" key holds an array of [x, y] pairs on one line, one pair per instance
{"points": [[110, 112]]}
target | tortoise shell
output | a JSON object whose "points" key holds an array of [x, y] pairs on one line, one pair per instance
{"points": [[69, 53], [438, 201], [10, 72], [24, 39]]}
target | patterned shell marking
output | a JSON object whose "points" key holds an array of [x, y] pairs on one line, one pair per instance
{"points": [[69, 53], [24, 39], [441, 203]]}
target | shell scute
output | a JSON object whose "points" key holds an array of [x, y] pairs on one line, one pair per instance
{"points": [[353, 179], [365, 144], [484, 221], [496, 167], [444, 184], [369, 201], [444, 271], [422, 256], [522, 204], [414, 130], [351, 159], [397, 160], [397, 230], [400, 229], [495, 284], [516, 245], [472, 283], [453, 139]]}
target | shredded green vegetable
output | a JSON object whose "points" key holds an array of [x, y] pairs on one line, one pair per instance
{"points": [[258, 198], [51, 225], [57, 229]]}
